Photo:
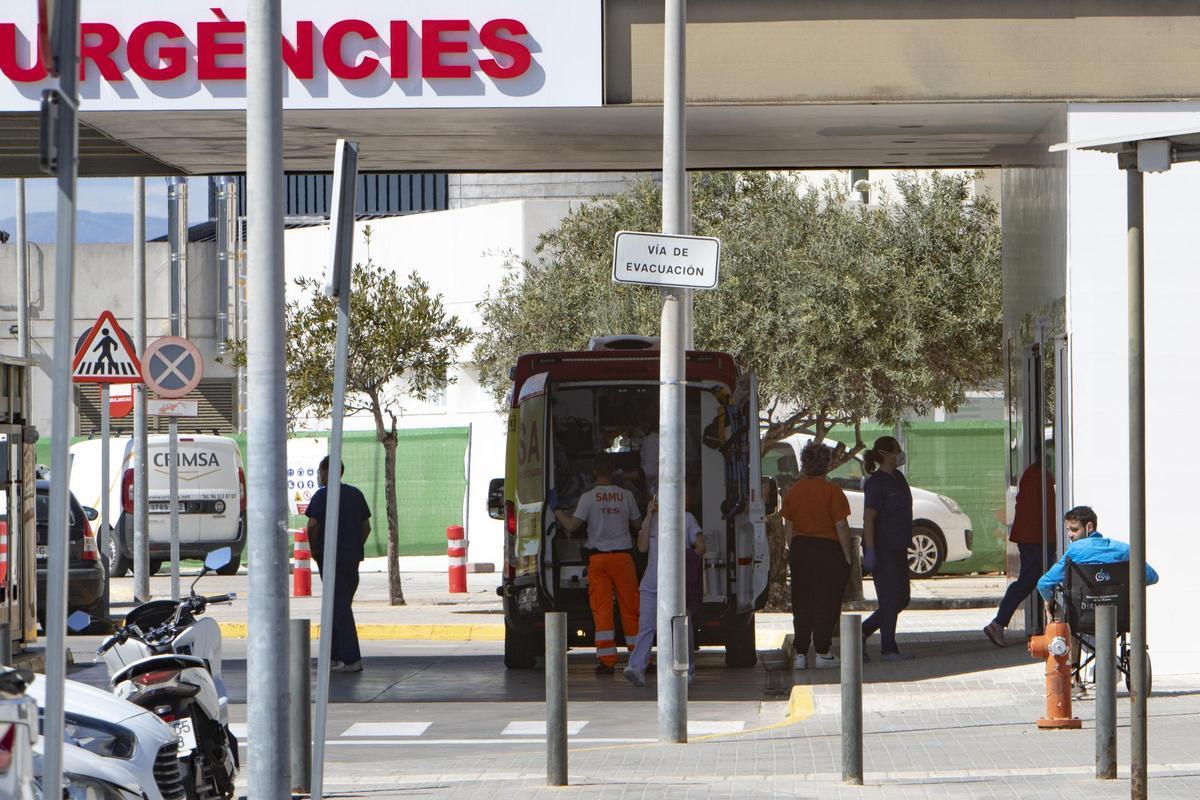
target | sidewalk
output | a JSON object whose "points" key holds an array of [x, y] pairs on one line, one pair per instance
{"points": [[433, 613]]}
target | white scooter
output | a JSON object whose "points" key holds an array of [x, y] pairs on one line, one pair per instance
{"points": [[166, 660], [18, 734]]}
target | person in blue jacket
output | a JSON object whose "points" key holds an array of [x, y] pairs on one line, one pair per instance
{"points": [[1087, 547]]}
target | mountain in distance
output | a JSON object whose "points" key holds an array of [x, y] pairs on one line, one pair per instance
{"points": [[91, 227]]}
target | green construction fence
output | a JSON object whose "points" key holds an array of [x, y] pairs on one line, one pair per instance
{"points": [[430, 483]]}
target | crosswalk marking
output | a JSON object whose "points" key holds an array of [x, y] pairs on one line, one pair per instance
{"points": [[705, 727], [387, 729], [538, 727]]}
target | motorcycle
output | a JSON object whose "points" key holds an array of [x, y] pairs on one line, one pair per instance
{"points": [[18, 734], [167, 658]]}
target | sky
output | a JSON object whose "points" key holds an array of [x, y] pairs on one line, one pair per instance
{"points": [[104, 195]]}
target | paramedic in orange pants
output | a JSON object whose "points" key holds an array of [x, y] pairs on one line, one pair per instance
{"points": [[611, 516]]}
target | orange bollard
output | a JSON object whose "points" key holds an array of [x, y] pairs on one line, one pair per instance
{"points": [[456, 549], [1055, 646], [301, 565]]}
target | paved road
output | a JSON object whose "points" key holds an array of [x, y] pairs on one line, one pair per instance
{"points": [[445, 719]]}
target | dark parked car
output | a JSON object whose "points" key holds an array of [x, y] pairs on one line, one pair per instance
{"points": [[86, 571]]}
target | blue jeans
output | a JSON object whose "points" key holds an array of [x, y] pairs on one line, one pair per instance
{"points": [[639, 659], [892, 590], [1018, 590]]}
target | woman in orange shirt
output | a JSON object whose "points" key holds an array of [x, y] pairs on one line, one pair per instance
{"points": [[815, 513]]}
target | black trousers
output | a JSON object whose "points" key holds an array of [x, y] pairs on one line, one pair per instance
{"points": [[819, 576], [892, 591], [345, 633]]}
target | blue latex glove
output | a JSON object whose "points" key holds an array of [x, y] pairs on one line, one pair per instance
{"points": [[869, 559]]}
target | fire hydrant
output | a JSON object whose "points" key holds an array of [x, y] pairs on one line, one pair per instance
{"points": [[1055, 647]]}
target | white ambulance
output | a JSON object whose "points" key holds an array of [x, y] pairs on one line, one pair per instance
{"points": [[212, 497]]}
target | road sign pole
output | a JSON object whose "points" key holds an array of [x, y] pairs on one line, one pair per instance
{"points": [[341, 231], [174, 506], [672, 683], [66, 30], [141, 470], [266, 371], [105, 486]]}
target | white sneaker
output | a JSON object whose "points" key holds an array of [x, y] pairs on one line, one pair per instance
{"points": [[827, 660], [801, 661], [634, 677], [353, 666]]}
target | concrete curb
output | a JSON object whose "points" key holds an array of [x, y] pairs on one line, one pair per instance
{"points": [[382, 632]]}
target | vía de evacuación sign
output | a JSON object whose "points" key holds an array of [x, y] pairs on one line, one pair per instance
{"points": [[659, 259]]}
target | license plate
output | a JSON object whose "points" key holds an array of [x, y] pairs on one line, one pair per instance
{"points": [[165, 508], [42, 552], [187, 737]]}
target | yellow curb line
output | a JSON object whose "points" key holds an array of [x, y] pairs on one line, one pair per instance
{"points": [[379, 632], [800, 708]]}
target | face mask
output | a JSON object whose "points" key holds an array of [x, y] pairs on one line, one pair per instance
{"points": [[901, 458]]}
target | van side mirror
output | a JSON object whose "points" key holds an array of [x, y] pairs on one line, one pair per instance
{"points": [[770, 493], [495, 498], [91, 513]]}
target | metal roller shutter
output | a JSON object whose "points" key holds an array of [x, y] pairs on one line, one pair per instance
{"points": [[217, 407]]}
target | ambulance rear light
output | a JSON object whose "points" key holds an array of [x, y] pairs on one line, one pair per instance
{"points": [[510, 518], [127, 491], [510, 540], [8, 743]]}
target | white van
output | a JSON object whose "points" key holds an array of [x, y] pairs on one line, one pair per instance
{"points": [[212, 497]]}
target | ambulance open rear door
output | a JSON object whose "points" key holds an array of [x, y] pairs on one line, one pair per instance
{"points": [[743, 497]]}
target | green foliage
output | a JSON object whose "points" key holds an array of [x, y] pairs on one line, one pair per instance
{"points": [[844, 312]]}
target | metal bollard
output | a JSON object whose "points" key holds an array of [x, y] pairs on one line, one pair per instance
{"points": [[5, 644], [1106, 692], [852, 732], [300, 691], [556, 699]]}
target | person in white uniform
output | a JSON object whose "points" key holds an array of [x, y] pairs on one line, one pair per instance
{"points": [[647, 541]]}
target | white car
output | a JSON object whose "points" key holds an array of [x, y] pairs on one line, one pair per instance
{"points": [[941, 531], [133, 740]]}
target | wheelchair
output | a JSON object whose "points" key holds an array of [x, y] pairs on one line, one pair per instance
{"points": [[1087, 586]]}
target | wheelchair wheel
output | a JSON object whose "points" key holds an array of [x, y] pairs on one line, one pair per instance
{"points": [[1127, 668]]}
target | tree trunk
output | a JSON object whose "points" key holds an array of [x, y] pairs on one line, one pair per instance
{"points": [[779, 595], [395, 590]]}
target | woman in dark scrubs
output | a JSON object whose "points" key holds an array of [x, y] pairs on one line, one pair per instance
{"points": [[887, 535]]}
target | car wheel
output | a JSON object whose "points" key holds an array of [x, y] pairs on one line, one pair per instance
{"points": [[927, 552], [118, 564]]}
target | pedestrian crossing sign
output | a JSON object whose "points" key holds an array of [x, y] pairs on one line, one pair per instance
{"points": [[105, 355]]}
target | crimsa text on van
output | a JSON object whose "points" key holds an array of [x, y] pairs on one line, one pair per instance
{"points": [[199, 458]]}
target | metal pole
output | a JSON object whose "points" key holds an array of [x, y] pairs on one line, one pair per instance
{"points": [[67, 35], [5, 643], [467, 496], [556, 698], [341, 248], [1137, 487], [141, 470], [269, 757], [22, 277], [173, 504], [852, 731], [300, 693], [105, 486], [1106, 693], [672, 682], [177, 242]]}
